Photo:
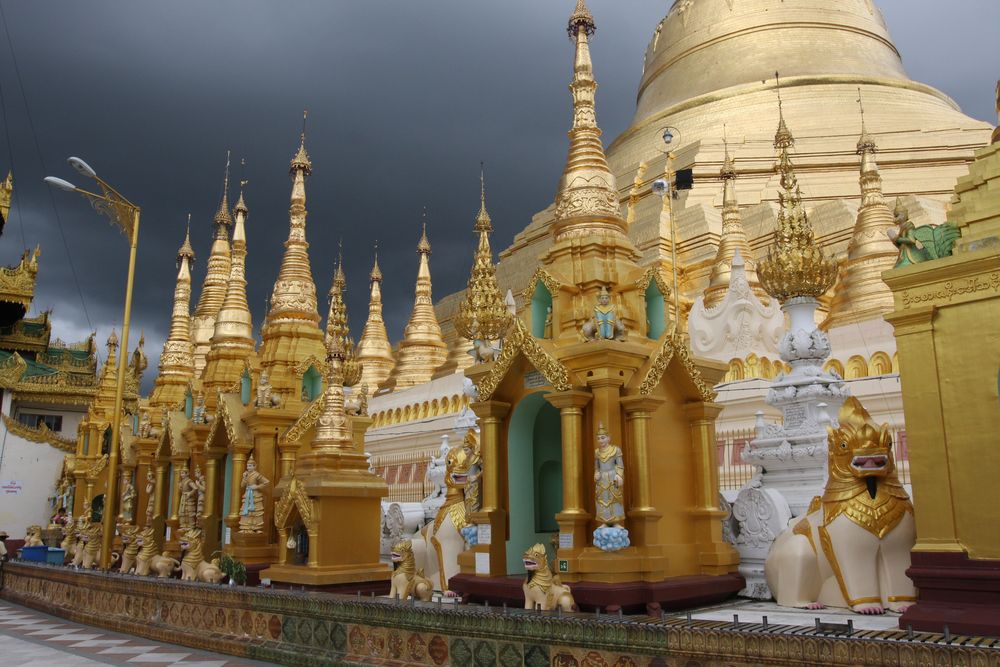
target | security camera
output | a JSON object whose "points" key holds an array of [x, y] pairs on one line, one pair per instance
{"points": [[660, 187]]}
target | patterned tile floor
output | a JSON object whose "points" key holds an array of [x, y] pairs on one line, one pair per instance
{"points": [[29, 638]]}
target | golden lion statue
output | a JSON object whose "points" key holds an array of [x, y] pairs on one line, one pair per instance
{"points": [[88, 550], [407, 580], [148, 561], [194, 567], [34, 537], [130, 548], [542, 589], [852, 548]]}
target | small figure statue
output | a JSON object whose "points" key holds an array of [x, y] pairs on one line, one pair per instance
{"points": [[604, 325], [265, 399], [484, 351], [199, 484], [198, 415], [923, 243], [547, 327], [128, 498], [543, 589], [34, 537], [252, 508], [145, 425], [852, 548], [194, 567], [407, 581], [188, 499], [436, 469], [356, 404], [609, 477], [150, 495]]}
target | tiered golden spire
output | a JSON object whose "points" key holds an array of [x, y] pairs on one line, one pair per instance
{"points": [[6, 194], [291, 330], [422, 350], [213, 290], [232, 340], [482, 315], [587, 192], [733, 238], [337, 326], [332, 431], [104, 398], [861, 294], [374, 349], [795, 266], [177, 358]]}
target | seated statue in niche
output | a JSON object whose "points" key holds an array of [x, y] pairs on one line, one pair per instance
{"points": [[252, 507], [265, 399], [547, 326], [187, 507], [923, 243], [605, 324]]}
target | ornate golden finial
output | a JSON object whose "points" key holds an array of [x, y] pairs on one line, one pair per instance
{"points": [[186, 251], [866, 142], [337, 326], [423, 245], [581, 20], [301, 161], [222, 218], [795, 266], [240, 203], [374, 349], [332, 426], [733, 239], [482, 314], [112, 344]]}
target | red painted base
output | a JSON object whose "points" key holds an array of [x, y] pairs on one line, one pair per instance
{"points": [[632, 597], [955, 591]]}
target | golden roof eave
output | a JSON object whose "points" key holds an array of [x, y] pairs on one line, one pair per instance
{"points": [[42, 435]]}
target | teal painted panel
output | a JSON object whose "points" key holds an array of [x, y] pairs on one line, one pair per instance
{"points": [[656, 312], [541, 302]]}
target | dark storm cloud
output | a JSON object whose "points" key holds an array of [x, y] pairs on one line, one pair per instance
{"points": [[404, 99]]}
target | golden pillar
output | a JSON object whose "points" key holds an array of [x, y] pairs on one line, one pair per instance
{"points": [[211, 519], [643, 516], [574, 518], [714, 555], [492, 436], [161, 494], [232, 519]]}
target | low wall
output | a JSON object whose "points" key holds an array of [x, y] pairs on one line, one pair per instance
{"points": [[323, 629]]}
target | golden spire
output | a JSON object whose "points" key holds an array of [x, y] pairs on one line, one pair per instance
{"points": [[232, 340], [177, 358], [6, 194], [374, 349], [213, 290], [996, 131], [332, 432], [337, 326], [795, 266], [482, 314], [422, 350], [104, 398], [587, 193], [733, 238], [861, 294], [291, 330]]}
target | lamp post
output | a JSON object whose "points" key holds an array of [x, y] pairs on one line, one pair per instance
{"points": [[123, 213]]}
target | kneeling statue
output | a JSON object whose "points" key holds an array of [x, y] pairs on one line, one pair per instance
{"points": [[543, 589], [852, 548]]}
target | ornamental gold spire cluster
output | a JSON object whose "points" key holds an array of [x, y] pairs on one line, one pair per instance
{"points": [[482, 315], [291, 329], [374, 349], [862, 294], [422, 350], [337, 326], [587, 188], [733, 238], [232, 341], [332, 431], [213, 290], [795, 266], [177, 358]]}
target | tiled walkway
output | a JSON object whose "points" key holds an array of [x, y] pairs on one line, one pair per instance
{"points": [[32, 639]]}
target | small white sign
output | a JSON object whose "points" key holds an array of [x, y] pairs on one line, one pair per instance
{"points": [[167, 536], [534, 380], [484, 533], [12, 488], [229, 535], [482, 563], [565, 540]]}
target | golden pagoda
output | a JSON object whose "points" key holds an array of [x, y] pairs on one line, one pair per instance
{"points": [[422, 350], [861, 294], [213, 290], [374, 348], [595, 357], [733, 239]]}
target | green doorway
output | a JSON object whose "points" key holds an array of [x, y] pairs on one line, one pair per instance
{"points": [[534, 471]]}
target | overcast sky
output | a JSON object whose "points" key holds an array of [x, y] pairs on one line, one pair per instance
{"points": [[405, 98]]}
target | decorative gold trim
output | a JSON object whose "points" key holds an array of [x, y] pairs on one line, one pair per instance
{"points": [[654, 273], [551, 284], [96, 467], [42, 435], [312, 360], [804, 528], [306, 421], [519, 341], [706, 391], [831, 557], [295, 495], [658, 367]]}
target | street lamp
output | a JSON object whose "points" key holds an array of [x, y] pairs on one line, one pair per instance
{"points": [[125, 215], [667, 138]]}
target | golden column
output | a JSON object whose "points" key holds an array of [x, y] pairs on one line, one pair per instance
{"points": [[232, 520], [643, 517], [492, 513], [574, 518]]}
